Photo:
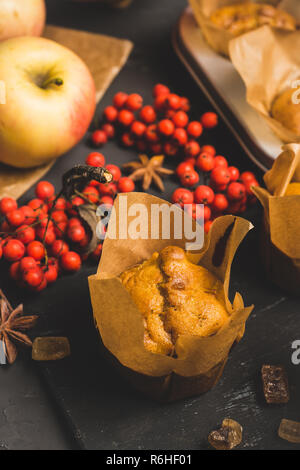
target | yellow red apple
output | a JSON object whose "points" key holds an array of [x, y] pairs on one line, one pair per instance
{"points": [[50, 101], [21, 18]]}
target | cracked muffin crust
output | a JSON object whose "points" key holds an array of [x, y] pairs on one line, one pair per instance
{"points": [[241, 18], [175, 297]]}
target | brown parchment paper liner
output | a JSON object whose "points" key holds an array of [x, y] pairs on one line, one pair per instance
{"points": [[199, 361], [268, 61], [105, 56], [217, 37], [281, 225]]}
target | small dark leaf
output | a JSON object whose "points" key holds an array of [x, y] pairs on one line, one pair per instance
{"points": [[88, 214]]}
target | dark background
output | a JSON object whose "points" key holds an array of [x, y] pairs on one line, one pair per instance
{"points": [[100, 410]]}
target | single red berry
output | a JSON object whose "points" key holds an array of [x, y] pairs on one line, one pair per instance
{"points": [[125, 185], [160, 89], [182, 196], [134, 102], [205, 162], [185, 104], [33, 277], [51, 274], [46, 235], [107, 189], [151, 133], [138, 128], [173, 101], [220, 176], [7, 204], [99, 138], [170, 149], [70, 261], [29, 214], [209, 149], [160, 103], [15, 218], [85, 241], [120, 99], [59, 248], [192, 149], [166, 127], [125, 117], [44, 190], [184, 167], [248, 185], [110, 113], [106, 200], [236, 191], [195, 129], [180, 119], [13, 250], [76, 233], [247, 177], [221, 161], [27, 263], [220, 203], [127, 140], [180, 136], [204, 195], [95, 159], [234, 173], [38, 206], [36, 250], [209, 120], [14, 271], [156, 148], [207, 225], [189, 178], [25, 234], [114, 171], [195, 211], [109, 130], [207, 213], [60, 204], [91, 193], [42, 285], [97, 252], [59, 216], [148, 114], [74, 222], [76, 202]]}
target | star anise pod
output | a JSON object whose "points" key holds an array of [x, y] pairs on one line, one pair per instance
{"points": [[12, 323], [148, 170]]}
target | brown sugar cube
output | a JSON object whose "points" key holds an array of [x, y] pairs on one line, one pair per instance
{"points": [[275, 384]]}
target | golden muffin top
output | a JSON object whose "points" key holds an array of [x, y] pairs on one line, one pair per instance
{"points": [[241, 18], [175, 297], [286, 112]]}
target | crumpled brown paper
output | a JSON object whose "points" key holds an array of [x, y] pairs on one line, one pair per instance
{"points": [[105, 56], [121, 324], [281, 229], [216, 37], [268, 61]]}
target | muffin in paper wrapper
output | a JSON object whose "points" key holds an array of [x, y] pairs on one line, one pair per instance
{"points": [[268, 61], [199, 361], [218, 38], [281, 225]]}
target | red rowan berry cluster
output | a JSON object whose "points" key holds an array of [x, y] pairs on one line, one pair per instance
{"points": [[40, 242], [226, 192], [161, 128]]}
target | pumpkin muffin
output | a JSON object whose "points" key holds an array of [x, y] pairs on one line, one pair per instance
{"points": [[286, 112], [241, 18], [175, 297]]}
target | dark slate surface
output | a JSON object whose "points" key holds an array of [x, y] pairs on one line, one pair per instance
{"points": [[82, 396]]}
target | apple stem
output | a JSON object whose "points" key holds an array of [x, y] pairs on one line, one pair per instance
{"points": [[54, 81]]}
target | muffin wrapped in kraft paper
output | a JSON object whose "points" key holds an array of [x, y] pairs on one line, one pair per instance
{"points": [[269, 64], [281, 227], [197, 362], [216, 36]]}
